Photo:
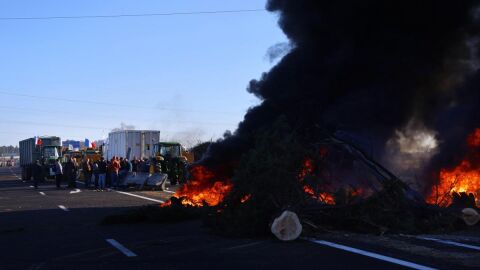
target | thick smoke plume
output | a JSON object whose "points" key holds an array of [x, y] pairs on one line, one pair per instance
{"points": [[364, 70]]}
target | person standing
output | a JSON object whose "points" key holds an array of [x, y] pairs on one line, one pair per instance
{"points": [[37, 173], [71, 173], [123, 169], [134, 166], [87, 172], [102, 173], [115, 169], [58, 173], [95, 174], [129, 166]]}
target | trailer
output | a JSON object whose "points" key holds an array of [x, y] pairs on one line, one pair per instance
{"points": [[44, 149], [131, 143]]}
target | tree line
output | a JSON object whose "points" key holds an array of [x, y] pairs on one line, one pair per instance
{"points": [[9, 149]]}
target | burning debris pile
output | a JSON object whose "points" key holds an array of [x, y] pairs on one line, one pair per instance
{"points": [[461, 181], [357, 73]]}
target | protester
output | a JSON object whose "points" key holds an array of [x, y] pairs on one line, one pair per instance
{"points": [[124, 168], [146, 165], [102, 172], [115, 170], [70, 171], [134, 166], [95, 174], [129, 165], [87, 172], [58, 173], [37, 172], [109, 174]]}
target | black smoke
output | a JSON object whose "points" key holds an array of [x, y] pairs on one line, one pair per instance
{"points": [[368, 68]]}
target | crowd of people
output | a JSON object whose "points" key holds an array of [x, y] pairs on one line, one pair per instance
{"points": [[108, 174], [7, 162]]}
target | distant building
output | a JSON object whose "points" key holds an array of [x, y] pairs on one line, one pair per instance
{"points": [[74, 144]]}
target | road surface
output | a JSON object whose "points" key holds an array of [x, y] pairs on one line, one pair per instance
{"points": [[60, 229]]}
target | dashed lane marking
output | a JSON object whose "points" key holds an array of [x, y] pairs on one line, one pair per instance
{"points": [[120, 247], [15, 174], [42, 193], [371, 255], [75, 191], [448, 242], [63, 208]]}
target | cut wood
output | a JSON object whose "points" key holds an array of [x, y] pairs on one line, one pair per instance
{"points": [[470, 216], [287, 226]]}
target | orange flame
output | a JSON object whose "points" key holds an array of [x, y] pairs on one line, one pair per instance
{"points": [[474, 139], [465, 177], [203, 188], [306, 169], [246, 198], [320, 196]]}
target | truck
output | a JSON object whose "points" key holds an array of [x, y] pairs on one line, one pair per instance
{"points": [[131, 143], [44, 149]]}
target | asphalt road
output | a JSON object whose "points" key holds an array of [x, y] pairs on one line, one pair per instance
{"points": [[59, 229]]}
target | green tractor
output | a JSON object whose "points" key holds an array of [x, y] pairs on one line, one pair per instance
{"points": [[171, 159]]}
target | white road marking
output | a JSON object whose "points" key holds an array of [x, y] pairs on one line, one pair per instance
{"points": [[32, 186], [42, 193], [75, 191], [448, 242], [120, 247], [168, 191], [63, 208], [135, 195], [141, 197], [372, 255], [14, 174]]}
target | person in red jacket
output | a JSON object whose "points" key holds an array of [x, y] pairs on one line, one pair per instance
{"points": [[115, 169]]}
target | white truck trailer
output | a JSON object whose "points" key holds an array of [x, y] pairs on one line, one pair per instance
{"points": [[131, 143]]}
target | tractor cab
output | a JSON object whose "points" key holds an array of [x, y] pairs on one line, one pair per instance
{"points": [[170, 159], [168, 149]]}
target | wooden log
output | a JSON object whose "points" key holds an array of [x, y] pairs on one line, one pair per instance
{"points": [[470, 216], [287, 226]]}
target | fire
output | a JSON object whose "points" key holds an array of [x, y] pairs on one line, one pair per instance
{"points": [[320, 196], [465, 177], [306, 169], [473, 139], [246, 198], [203, 188]]}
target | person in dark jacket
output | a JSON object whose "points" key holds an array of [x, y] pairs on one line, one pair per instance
{"points": [[70, 171], [134, 166], [102, 173], [58, 173], [87, 172], [95, 174], [37, 172]]}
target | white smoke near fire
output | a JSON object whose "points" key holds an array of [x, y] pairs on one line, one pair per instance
{"points": [[123, 126], [410, 149]]}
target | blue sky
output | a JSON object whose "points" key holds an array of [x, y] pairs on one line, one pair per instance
{"points": [[183, 75]]}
